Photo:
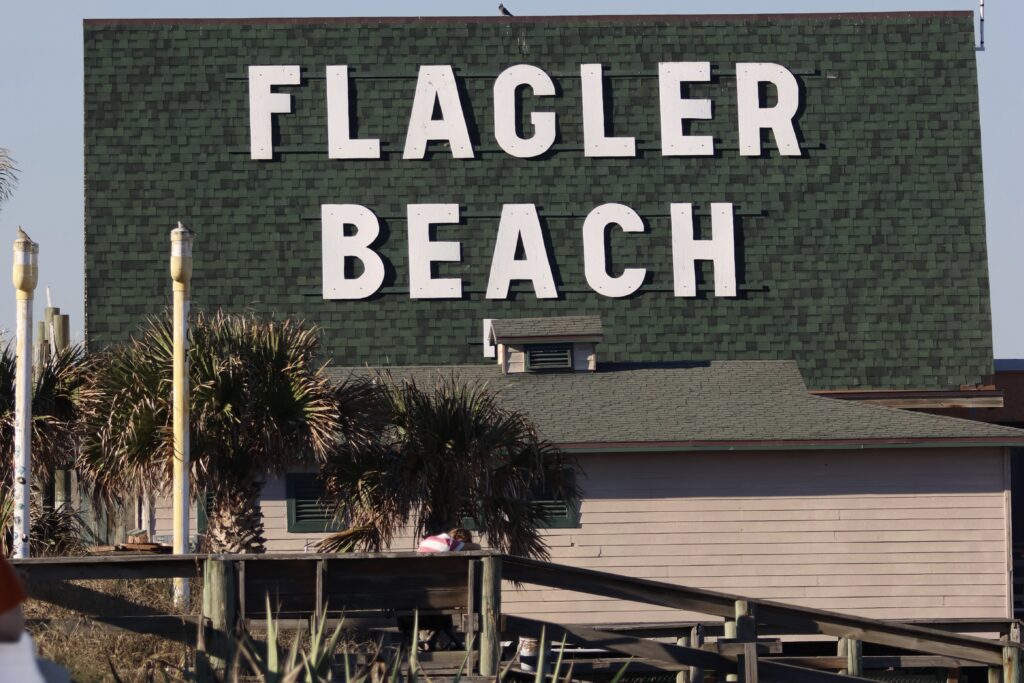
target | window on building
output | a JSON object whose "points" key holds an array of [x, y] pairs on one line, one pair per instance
{"points": [[547, 357], [558, 513], [306, 510]]}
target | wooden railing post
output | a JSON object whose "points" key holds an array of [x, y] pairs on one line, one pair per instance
{"points": [[853, 650], [490, 613], [684, 675], [472, 625], [729, 632], [1012, 664], [221, 608], [746, 632], [697, 641]]}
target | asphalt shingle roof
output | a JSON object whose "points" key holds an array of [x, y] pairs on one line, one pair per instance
{"points": [[716, 404], [537, 328]]}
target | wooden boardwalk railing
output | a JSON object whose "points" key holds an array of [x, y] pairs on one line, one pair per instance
{"points": [[469, 585]]}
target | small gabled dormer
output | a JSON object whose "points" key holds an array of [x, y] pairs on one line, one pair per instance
{"points": [[566, 344]]}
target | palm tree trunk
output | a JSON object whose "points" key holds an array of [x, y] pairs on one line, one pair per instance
{"points": [[235, 524]]}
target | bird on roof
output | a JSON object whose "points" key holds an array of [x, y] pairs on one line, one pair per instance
{"points": [[182, 226], [503, 10], [22, 235]]}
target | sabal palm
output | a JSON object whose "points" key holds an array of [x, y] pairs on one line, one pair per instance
{"points": [[260, 403], [450, 451], [57, 396]]}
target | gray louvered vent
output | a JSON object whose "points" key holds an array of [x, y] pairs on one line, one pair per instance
{"points": [[540, 357], [306, 508]]}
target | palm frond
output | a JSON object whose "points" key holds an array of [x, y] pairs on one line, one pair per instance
{"points": [[8, 175]]}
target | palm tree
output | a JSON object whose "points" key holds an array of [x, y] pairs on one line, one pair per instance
{"points": [[260, 403], [450, 451], [56, 401], [57, 395], [8, 175]]}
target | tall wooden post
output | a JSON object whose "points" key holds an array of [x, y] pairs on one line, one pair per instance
{"points": [[490, 613], [181, 273], [221, 608], [62, 478], [25, 277]]}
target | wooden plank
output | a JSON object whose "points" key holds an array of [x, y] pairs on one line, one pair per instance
{"points": [[799, 619]]}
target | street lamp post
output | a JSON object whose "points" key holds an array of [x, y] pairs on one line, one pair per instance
{"points": [[181, 273], [26, 275]]}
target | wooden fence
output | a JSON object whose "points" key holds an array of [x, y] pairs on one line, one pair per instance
{"points": [[367, 587]]}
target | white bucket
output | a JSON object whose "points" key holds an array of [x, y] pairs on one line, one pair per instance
{"points": [[528, 654]]}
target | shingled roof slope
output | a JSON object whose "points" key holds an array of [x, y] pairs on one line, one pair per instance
{"points": [[539, 328], [718, 404]]}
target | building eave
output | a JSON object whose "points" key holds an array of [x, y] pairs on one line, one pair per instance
{"points": [[920, 398], [786, 444]]}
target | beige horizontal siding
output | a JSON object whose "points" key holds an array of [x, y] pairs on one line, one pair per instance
{"points": [[887, 534]]}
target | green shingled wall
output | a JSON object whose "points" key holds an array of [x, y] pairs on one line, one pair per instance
{"points": [[864, 260]]}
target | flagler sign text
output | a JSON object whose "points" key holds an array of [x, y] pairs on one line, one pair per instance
{"points": [[520, 253]]}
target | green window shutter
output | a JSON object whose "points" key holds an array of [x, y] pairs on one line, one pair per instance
{"points": [[559, 514], [543, 357], [306, 509]]}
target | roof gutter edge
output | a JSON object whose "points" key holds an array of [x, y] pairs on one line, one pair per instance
{"points": [[690, 446]]}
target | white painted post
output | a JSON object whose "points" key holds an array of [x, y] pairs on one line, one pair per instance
{"points": [[181, 273], [25, 276]]}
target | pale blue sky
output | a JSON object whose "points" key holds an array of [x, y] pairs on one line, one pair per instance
{"points": [[41, 117]]}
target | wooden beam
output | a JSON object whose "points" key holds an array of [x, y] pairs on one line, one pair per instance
{"points": [[795, 619], [47, 569]]}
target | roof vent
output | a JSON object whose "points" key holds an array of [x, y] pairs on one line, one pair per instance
{"points": [[546, 344], [544, 357]]}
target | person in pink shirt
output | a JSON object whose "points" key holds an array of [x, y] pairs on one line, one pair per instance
{"points": [[437, 631], [453, 541]]}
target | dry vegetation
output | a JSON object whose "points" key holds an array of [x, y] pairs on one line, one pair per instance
{"points": [[87, 650]]}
